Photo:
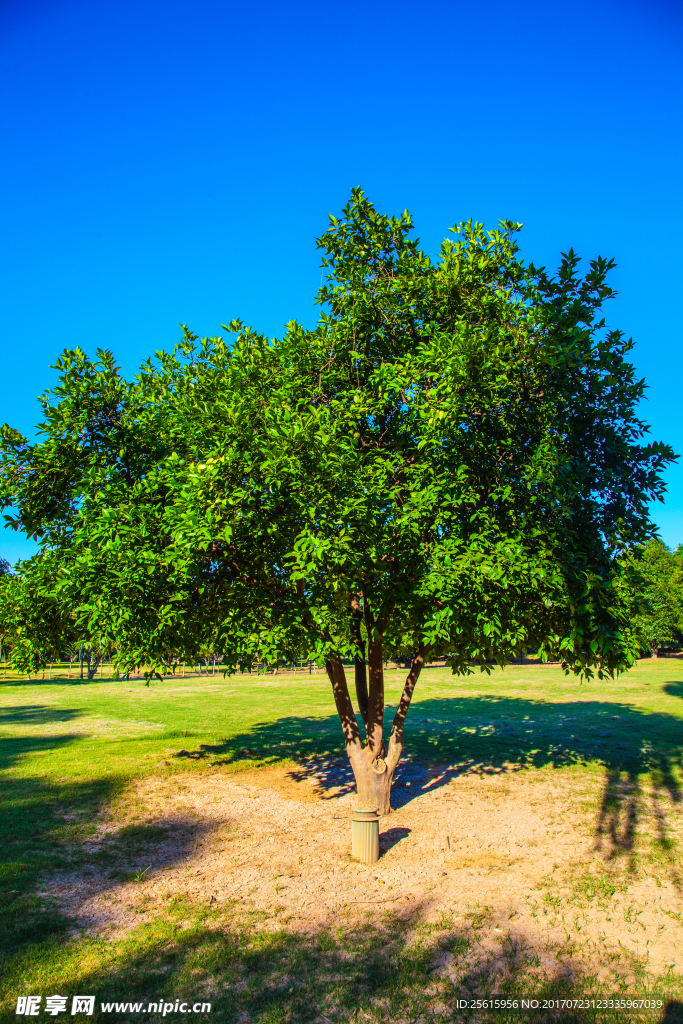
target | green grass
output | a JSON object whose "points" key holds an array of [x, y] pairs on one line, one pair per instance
{"points": [[70, 749], [530, 716]]}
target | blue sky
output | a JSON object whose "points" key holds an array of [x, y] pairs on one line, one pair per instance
{"points": [[173, 161]]}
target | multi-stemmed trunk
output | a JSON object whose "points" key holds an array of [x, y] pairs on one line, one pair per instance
{"points": [[372, 763], [93, 663]]}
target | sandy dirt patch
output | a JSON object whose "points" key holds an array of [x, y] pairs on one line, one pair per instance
{"points": [[526, 854]]}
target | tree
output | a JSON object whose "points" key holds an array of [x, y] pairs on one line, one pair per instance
{"points": [[651, 582], [449, 464], [35, 625], [5, 573]]}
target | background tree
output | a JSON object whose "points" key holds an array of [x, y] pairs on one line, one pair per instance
{"points": [[449, 463], [5, 572], [36, 625], [652, 586]]}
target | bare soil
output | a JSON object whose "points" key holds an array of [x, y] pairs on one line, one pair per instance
{"points": [[544, 860]]}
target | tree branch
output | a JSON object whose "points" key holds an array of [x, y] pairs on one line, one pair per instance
{"points": [[397, 741], [359, 659], [344, 706], [375, 724]]}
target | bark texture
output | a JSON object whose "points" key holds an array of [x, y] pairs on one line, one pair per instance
{"points": [[373, 767]]}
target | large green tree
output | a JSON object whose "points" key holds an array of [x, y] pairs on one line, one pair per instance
{"points": [[450, 463]]}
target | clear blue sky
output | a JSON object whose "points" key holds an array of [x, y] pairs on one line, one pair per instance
{"points": [[168, 162]]}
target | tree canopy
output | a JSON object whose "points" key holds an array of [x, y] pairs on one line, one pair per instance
{"points": [[450, 463]]}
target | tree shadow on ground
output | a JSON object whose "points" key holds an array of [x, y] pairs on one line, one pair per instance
{"points": [[133, 853], [32, 810], [48, 829], [29, 811], [49, 837], [392, 970], [37, 714], [642, 753], [15, 748]]}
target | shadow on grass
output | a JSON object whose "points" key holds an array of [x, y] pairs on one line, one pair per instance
{"points": [[45, 828], [397, 969], [48, 839], [31, 809], [57, 680], [37, 714], [14, 748], [642, 754]]}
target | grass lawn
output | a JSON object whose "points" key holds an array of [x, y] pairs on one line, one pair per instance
{"points": [[71, 752]]}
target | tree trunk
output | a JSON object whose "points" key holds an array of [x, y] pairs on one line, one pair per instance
{"points": [[373, 772], [359, 659], [373, 786], [92, 665]]}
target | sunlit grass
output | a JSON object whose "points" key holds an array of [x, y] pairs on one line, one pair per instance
{"points": [[535, 713]]}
